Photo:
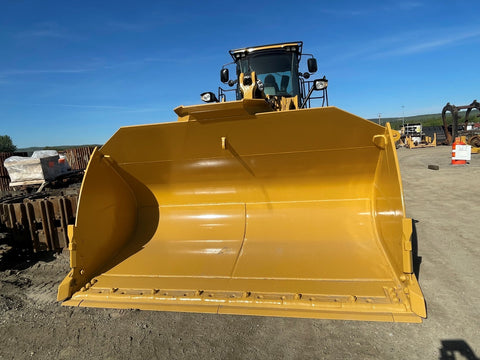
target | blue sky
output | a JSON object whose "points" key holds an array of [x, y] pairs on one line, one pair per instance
{"points": [[74, 72]]}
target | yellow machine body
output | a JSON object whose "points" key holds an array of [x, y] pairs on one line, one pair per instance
{"points": [[236, 209], [427, 141]]}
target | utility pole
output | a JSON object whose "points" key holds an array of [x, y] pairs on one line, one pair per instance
{"points": [[403, 116], [379, 118]]}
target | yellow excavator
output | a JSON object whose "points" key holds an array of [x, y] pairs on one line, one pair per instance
{"points": [[248, 207]]}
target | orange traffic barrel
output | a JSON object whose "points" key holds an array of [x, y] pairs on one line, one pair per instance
{"points": [[456, 161]]}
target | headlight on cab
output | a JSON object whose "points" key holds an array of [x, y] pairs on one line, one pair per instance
{"points": [[320, 84], [208, 97]]}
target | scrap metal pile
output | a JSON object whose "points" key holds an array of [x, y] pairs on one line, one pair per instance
{"points": [[38, 221], [36, 214]]}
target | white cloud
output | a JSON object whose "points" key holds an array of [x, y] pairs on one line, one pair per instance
{"points": [[102, 107], [14, 72], [47, 30], [386, 7], [407, 43], [114, 108], [427, 42], [408, 5], [129, 26], [95, 107]]}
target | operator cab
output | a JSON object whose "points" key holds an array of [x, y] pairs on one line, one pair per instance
{"points": [[271, 72], [276, 69]]}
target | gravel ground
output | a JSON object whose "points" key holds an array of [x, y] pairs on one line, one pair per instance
{"points": [[444, 204]]}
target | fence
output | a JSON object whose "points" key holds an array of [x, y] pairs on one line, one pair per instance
{"points": [[78, 158], [4, 178]]}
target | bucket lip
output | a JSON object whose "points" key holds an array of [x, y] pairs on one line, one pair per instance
{"points": [[253, 305]]}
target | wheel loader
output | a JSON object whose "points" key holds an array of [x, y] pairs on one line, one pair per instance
{"points": [[248, 206]]}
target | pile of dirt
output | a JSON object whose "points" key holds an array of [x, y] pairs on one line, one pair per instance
{"points": [[27, 278]]}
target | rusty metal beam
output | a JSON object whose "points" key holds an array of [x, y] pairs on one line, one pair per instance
{"points": [[454, 110], [39, 223]]}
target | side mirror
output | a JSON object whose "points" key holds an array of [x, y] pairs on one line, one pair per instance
{"points": [[312, 65], [224, 76]]}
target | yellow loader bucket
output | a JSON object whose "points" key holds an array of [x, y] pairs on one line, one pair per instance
{"points": [[237, 211]]}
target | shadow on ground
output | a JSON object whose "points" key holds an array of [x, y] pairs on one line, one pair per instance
{"points": [[417, 260], [15, 257], [455, 350]]}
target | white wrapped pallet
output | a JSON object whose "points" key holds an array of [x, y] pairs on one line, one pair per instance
{"points": [[40, 154], [42, 166]]}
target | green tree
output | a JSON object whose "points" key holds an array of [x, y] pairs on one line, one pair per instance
{"points": [[6, 144]]}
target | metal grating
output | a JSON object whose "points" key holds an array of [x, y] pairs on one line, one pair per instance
{"points": [[78, 158]]}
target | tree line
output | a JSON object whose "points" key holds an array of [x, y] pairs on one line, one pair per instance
{"points": [[6, 144]]}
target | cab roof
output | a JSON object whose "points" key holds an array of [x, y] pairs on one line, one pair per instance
{"points": [[289, 46]]}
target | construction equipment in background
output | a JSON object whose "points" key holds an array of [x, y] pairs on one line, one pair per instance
{"points": [[246, 207], [426, 141], [412, 136], [469, 130]]}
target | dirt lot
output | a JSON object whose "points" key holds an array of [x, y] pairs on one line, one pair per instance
{"points": [[445, 205]]}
